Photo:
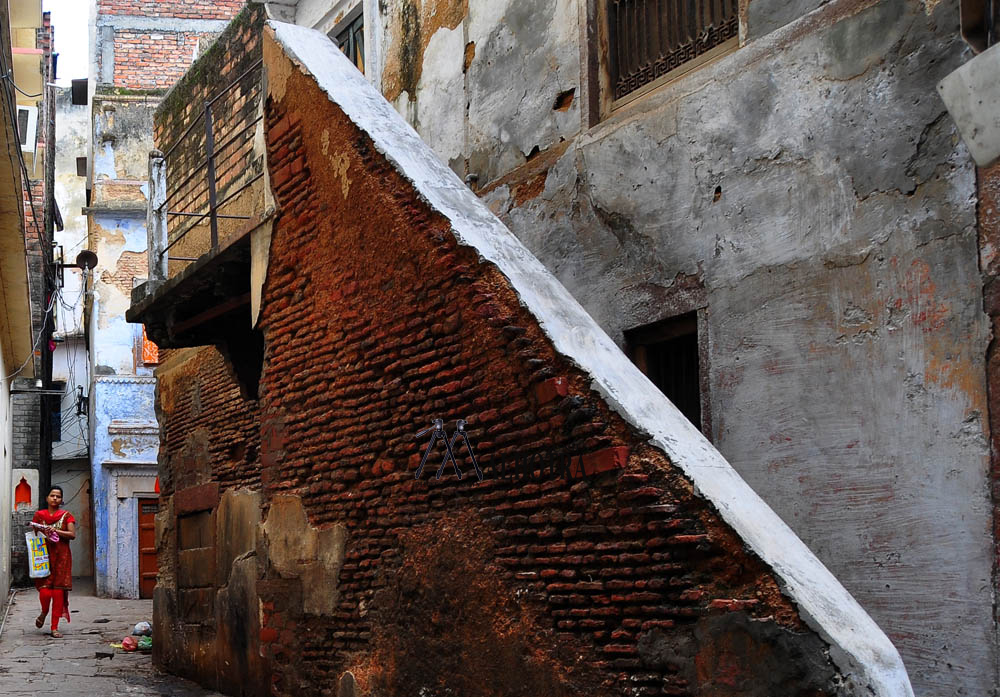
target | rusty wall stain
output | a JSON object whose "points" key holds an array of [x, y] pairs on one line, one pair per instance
{"points": [[417, 21]]}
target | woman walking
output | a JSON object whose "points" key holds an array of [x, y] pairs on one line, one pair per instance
{"points": [[54, 589]]}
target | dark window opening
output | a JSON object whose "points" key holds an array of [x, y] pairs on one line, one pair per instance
{"points": [[350, 38], [667, 353], [981, 23], [81, 166], [79, 92], [244, 354], [55, 410], [650, 38], [22, 125]]}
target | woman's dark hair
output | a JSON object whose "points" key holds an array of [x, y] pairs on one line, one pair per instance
{"points": [[56, 486]]}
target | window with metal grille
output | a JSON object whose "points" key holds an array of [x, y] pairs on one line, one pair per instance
{"points": [[981, 23], [649, 39], [350, 37], [668, 353]]}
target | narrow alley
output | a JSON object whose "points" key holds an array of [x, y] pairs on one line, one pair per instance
{"points": [[82, 663]]}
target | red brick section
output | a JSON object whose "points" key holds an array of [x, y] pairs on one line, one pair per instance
{"points": [[209, 435], [229, 59], [34, 239], [989, 238], [182, 9], [375, 322], [152, 61], [146, 59]]}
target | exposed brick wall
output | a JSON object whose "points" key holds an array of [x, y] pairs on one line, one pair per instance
{"points": [[209, 434], [19, 549], [157, 58], [34, 237], [617, 579], [229, 59], [375, 321], [131, 265], [182, 9], [151, 61]]}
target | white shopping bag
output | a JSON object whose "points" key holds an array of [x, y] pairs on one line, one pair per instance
{"points": [[38, 555]]}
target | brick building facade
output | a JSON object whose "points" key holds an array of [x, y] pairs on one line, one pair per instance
{"points": [[369, 293]]}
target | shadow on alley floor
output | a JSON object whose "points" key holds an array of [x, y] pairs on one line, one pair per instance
{"points": [[81, 663]]}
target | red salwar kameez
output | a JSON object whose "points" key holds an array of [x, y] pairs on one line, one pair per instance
{"points": [[54, 589]]}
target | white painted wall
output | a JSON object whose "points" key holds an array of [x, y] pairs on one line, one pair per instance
{"points": [[323, 15]]}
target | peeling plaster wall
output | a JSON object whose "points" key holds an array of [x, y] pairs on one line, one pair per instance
{"points": [[138, 50], [125, 445], [72, 134], [69, 360], [123, 431], [121, 393], [813, 184]]}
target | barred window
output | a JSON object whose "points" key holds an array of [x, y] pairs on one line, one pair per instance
{"points": [[651, 39], [669, 354]]}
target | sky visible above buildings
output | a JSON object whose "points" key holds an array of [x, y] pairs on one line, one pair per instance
{"points": [[71, 20]]}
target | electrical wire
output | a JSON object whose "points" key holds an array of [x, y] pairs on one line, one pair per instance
{"points": [[26, 185], [73, 443], [10, 79], [11, 105], [41, 333]]}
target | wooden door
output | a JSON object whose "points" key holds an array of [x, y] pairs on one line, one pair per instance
{"points": [[147, 546]]}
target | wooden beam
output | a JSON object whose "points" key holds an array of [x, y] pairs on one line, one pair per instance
{"points": [[211, 313]]}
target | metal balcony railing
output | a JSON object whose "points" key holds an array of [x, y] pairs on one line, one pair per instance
{"points": [[209, 165]]}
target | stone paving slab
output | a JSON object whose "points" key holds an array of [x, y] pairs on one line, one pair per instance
{"points": [[33, 664]]}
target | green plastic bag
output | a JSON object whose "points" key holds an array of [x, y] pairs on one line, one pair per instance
{"points": [[145, 643]]}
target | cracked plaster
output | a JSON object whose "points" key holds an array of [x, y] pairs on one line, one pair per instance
{"points": [[813, 182]]}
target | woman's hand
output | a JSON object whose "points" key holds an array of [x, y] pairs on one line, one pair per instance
{"points": [[69, 533]]}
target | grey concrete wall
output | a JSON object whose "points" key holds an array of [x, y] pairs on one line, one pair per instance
{"points": [[812, 184], [74, 477]]}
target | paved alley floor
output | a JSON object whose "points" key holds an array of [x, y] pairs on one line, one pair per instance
{"points": [[81, 663]]}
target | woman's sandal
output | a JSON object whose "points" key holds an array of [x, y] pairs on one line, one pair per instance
{"points": [[56, 634], [39, 621]]}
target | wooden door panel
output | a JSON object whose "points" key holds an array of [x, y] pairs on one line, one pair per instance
{"points": [[147, 546]]}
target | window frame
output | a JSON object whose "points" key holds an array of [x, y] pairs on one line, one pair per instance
{"points": [[636, 340], [980, 23], [600, 101], [347, 24]]}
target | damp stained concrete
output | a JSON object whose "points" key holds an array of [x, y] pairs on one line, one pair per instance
{"points": [[813, 187]]}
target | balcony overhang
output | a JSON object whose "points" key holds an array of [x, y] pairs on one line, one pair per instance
{"points": [[208, 303]]}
